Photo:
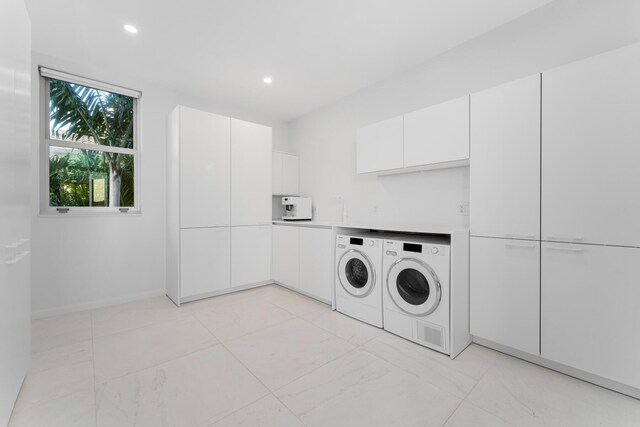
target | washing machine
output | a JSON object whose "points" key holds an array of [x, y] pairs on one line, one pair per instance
{"points": [[416, 290], [358, 277]]}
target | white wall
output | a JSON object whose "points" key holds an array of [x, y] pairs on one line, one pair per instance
{"points": [[561, 32], [84, 262]]}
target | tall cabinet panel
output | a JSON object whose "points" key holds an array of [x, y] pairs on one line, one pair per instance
{"points": [[590, 150], [505, 213], [15, 187], [590, 316], [250, 173], [505, 160], [204, 169]]}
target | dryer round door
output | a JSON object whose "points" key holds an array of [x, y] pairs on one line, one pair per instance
{"points": [[414, 287], [356, 273]]}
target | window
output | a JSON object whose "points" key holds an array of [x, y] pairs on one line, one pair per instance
{"points": [[90, 147]]}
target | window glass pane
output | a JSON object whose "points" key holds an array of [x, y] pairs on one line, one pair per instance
{"points": [[90, 178], [83, 114]]}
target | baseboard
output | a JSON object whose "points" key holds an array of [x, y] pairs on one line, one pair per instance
{"points": [[563, 369], [225, 291], [95, 304], [291, 288]]}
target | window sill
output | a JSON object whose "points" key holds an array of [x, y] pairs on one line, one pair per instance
{"points": [[88, 213]]}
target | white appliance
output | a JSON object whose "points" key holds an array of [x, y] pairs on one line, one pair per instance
{"points": [[296, 208], [416, 290], [358, 277]]}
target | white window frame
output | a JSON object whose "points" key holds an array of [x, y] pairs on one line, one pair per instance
{"points": [[46, 142]]}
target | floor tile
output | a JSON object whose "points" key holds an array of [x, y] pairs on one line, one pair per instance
{"points": [[299, 304], [130, 351], [235, 320], [60, 331], [266, 412], [194, 390], [529, 395], [345, 327], [41, 387], [430, 365], [76, 410], [281, 353], [360, 389], [468, 415], [123, 317], [62, 356]]}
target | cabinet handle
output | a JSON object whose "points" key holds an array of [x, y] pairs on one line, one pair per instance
{"points": [[18, 258], [565, 238], [574, 250], [521, 246], [521, 236]]}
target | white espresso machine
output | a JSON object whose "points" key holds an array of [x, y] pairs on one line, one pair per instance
{"points": [[296, 208]]}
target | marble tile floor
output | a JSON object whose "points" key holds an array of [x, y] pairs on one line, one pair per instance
{"points": [[271, 357]]}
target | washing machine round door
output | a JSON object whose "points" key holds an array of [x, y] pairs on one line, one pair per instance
{"points": [[414, 287], [356, 273]]}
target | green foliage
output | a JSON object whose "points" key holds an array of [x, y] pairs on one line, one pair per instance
{"points": [[84, 114]]}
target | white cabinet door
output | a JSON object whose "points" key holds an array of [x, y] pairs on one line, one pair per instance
{"points": [[250, 173], [590, 150], [250, 255], [204, 169], [437, 134], [286, 255], [290, 172], [276, 173], [316, 262], [379, 146], [204, 260], [590, 316], [15, 209], [505, 160], [505, 292]]}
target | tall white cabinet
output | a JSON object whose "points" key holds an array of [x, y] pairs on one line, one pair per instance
{"points": [[15, 187], [505, 215], [219, 204], [590, 205]]}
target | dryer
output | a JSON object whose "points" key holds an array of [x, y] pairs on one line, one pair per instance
{"points": [[416, 290], [358, 277]]}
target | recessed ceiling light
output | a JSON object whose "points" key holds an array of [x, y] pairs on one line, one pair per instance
{"points": [[268, 80], [130, 28]]}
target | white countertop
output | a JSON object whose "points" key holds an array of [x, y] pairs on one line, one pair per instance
{"points": [[395, 227]]}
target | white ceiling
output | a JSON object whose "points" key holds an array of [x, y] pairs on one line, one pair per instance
{"points": [[316, 51]]}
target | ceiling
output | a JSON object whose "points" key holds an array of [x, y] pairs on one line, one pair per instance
{"points": [[315, 51]]}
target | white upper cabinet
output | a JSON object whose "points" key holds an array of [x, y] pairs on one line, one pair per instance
{"points": [[285, 174], [204, 169], [590, 150], [251, 173], [505, 160], [379, 146], [437, 134]]}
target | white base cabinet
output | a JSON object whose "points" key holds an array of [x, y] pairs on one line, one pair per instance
{"points": [[286, 255], [316, 262], [205, 255], [590, 315], [505, 292], [250, 255], [303, 259]]}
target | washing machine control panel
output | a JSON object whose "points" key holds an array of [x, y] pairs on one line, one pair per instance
{"points": [[399, 248], [356, 241]]}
